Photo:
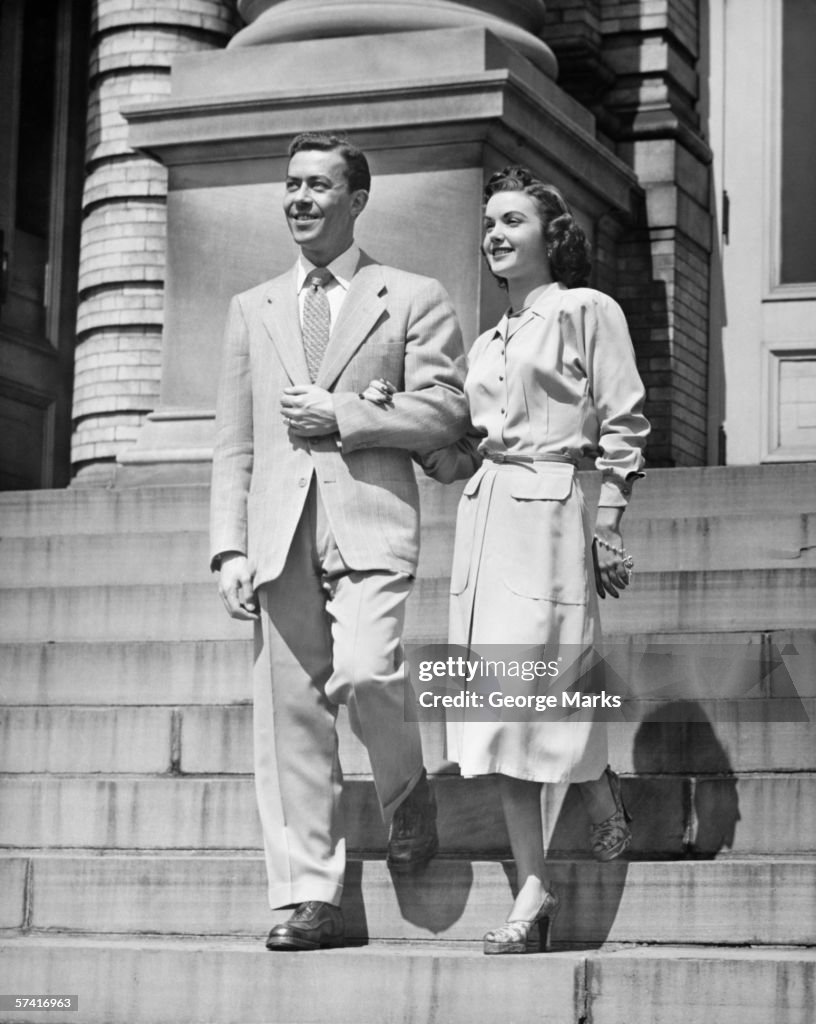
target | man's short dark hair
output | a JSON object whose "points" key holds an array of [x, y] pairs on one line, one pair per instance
{"points": [[357, 173]]}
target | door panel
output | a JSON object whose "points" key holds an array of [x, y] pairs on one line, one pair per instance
{"points": [[764, 159], [43, 67]]}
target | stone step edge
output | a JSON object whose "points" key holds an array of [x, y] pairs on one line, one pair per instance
{"points": [[226, 853], [422, 947], [436, 980], [737, 635], [205, 583], [760, 773], [706, 950], [668, 636], [702, 476], [433, 522]]}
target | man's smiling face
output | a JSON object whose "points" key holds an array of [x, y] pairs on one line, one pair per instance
{"points": [[319, 206]]}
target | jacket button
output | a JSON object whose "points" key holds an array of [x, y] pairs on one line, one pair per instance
{"points": [[302, 482]]}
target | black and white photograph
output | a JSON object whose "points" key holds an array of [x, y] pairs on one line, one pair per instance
{"points": [[407, 511]]}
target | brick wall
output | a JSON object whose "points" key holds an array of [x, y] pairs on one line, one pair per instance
{"points": [[633, 62], [119, 322]]}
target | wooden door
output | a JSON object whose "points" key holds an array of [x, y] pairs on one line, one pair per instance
{"points": [[763, 132], [43, 53]]}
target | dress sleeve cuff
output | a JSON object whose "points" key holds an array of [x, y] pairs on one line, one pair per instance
{"points": [[615, 493], [215, 561]]}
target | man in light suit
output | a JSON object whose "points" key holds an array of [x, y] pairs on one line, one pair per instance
{"points": [[315, 526]]}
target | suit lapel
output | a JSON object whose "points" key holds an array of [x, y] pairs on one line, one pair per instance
{"points": [[362, 308], [281, 319]]}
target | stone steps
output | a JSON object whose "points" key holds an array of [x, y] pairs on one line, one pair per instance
{"points": [[230, 981], [217, 739], [759, 813], [721, 490], [693, 602], [119, 559], [132, 871], [120, 672], [78, 511], [191, 672], [744, 542], [677, 601], [737, 541], [665, 493], [451, 899]]}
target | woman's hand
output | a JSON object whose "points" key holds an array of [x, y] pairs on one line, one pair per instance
{"points": [[380, 392], [613, 565]]}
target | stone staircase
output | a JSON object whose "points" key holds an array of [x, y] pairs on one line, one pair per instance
{"points": [[130, 864]]}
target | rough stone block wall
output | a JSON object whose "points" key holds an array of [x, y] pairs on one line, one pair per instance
{"points": [[662, 283], [642, 85], [643, 294], [121, 278], [573, 30]]}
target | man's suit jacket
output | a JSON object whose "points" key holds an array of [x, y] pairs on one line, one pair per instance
{"points": [[392, 324]]}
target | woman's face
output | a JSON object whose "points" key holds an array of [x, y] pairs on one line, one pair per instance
{"points": [[514, 237]]}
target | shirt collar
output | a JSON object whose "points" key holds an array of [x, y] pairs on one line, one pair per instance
{"points": [[544, 294], [541, 296], [342, 267]]}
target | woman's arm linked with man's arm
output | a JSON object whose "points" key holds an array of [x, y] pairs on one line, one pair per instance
{"points": [[456, 461]]}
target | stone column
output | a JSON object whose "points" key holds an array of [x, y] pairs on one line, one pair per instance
{"points": [[438, 94], [121, 279], [517, 22]]}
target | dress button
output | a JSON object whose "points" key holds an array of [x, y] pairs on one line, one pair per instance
{"points": [[501, 378], [502, 412]]}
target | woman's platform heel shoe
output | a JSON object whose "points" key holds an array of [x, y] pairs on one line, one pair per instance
{"points": [[525, 936], [612, 837]]}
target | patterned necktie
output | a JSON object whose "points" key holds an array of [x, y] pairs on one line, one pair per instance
{"points": [[316, 319]]}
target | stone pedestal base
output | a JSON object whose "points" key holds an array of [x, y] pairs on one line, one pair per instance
{"points": [[436, 112], [174, 446]]}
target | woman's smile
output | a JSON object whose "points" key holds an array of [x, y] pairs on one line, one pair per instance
{"points": [[514, 237]]}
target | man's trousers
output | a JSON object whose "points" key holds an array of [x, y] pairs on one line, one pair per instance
{"points": [[327, 636]]}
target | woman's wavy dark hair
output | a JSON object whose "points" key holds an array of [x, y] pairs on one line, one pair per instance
{"points": [[567, 245]]}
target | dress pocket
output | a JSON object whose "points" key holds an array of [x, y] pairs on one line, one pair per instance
{"points": [[548, 486], [467, 543], [543, 538]]}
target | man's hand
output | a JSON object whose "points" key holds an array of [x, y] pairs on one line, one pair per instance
{"points": [[308, 411], [235, 587]]}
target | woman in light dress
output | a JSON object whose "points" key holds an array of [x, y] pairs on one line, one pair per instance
{"points": [[553, 382]]}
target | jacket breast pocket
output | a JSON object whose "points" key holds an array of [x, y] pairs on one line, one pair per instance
{"points": [[545, 544]]}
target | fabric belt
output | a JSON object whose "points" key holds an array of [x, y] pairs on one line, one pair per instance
{"points": [[514, 459]]}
